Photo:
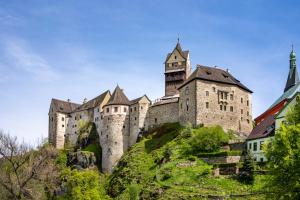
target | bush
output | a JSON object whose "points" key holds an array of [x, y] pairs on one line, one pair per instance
{"points": [[81, 185], [207, 139], [61, 160], [134, 191], [247, 171]]}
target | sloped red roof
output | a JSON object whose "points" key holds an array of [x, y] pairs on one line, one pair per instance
{"points": [[263, 129]]}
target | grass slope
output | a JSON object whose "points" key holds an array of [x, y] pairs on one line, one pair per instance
{"points": [[158, 168]]}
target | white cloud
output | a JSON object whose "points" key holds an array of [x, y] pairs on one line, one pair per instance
{"points": [[20, 56]]}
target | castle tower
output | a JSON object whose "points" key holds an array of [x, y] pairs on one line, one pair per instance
{"points": [[114, 131], [293, 77], [177, 69]]}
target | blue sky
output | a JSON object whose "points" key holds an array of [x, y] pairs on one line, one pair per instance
{"points": [[77, 49]]}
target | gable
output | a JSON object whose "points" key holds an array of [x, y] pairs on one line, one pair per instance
{"points": [[287, 107], [175, 57]]}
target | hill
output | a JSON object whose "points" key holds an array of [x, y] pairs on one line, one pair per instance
{"points": [[163, 166]]}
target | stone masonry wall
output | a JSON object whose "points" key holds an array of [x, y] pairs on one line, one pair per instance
{"points": [[164, 113], [187, 104], [236, 111], [113, 135], [138, 114]]}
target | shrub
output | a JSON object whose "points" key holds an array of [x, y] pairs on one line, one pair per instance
{"points": [[134, 191], [247, 171], [61, 160], [81, 185], [207, 139]]}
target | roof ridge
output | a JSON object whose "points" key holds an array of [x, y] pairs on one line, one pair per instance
{"points": [[118, 97]]}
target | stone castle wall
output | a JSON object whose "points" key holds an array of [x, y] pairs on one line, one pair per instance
{"points": [[209, 106], [138, 115], [114, 134], [163, 113]]}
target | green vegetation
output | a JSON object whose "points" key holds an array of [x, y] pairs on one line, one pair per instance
{"points": [[158, 167], [168, 164], [283, 154], [82, 185], [207, 139], [247, 175]]}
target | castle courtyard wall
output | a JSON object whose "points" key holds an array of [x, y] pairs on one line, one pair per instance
{"points": [[162, 113]]}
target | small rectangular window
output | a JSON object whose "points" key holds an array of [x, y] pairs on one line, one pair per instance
{"points": [[207, 104], [107, 110], [187, 104], [115, 109], [247, 102], [221, 107], [130, 109], [250, 146], [155, 120], [242, 111], [62, 119], [231, 108], [231, 96], [125, 109], [242, 100], [207, 93], [255, 146], [134, 108], [224, 107]]}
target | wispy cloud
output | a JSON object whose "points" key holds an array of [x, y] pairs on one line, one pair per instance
{"points": [[20, 56]]}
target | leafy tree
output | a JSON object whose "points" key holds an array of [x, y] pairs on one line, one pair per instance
{"points": [[207, 139], [283, 154], [26, 173], [81, 185], [247, 171]]}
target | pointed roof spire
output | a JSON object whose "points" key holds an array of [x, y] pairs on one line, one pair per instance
{"points": [[118, 97], [293, 77]]}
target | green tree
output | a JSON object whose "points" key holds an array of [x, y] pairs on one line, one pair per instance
{"points": [[82, 185], [283, 154], [247, 171], [207, 139]]}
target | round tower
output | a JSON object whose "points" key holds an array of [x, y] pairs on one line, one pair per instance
{"points": [[114, 130]]}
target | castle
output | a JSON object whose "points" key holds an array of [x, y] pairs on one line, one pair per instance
{"points": [[208, 96]]}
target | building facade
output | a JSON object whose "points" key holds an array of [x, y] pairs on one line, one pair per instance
{"points": [[208, 96], [269, 121]]}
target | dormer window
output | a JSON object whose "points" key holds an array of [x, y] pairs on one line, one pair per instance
{"points": [[175, 57], [225, 75], [208, 72]]}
